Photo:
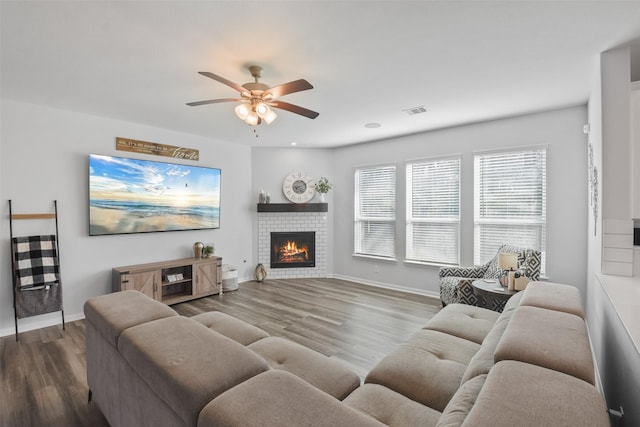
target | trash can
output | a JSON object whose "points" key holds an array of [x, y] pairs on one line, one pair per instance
{"points": [[229, 278]]}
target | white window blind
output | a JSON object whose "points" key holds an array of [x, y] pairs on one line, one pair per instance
{"points": [[510, 202], [433, 211], [375, 211]]}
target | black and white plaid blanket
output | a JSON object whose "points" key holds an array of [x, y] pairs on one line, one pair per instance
{"points": [[36, 261]]}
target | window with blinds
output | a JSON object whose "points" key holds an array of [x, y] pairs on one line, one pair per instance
{"points": [[510, 202], [433, 211], [375, 211]]}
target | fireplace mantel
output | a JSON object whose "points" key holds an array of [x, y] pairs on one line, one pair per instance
{"points": [[293, 207]]}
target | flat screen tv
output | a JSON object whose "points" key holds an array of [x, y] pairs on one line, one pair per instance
{"points": [[142, 196]]}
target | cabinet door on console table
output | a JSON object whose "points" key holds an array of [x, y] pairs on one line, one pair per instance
{"points": [[143, 281], [208, 276]]}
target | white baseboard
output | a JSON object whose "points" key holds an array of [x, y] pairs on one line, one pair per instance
{"points": [[25, 325], [598, 379], [387, 286]]}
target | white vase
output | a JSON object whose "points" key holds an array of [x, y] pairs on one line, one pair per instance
{"points": [[321, 197]]}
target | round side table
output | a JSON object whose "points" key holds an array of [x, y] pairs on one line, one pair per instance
{"points": [[494, 295]]}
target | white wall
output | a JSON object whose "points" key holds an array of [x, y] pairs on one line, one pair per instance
{"points": [[270, 166], [44, 156], [616, 356], [594, 229], [616, 132]]}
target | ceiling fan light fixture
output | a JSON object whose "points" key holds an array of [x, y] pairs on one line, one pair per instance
{"points": [[242, 111], [270, 116], [252, 118], [264, 112], [262, 109]]}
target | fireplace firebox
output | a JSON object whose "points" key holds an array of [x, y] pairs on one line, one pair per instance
{"points": [[293, 249]]}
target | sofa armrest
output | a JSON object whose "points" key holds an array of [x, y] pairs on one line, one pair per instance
{"points": [[277, 398], [469, 272], [535, 397]]}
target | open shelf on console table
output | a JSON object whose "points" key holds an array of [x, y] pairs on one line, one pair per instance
{"points": [[171, 281], [293, 207]]}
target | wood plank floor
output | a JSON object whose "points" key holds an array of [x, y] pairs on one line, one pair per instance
{"points": [[43, 376]]}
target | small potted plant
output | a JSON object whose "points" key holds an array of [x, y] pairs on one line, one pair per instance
{"points": [[322, 187], [207, 251]]}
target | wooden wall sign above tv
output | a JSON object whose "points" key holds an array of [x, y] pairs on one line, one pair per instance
{"points": [[135, 146]]}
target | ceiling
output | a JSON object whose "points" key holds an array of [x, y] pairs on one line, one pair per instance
{"points": [[368, 61]]}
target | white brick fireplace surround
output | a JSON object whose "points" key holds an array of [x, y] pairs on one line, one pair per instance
{"points": [[270, 221]]}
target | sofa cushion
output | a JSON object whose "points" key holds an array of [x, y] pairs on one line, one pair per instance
{"points": [[483, 361], [426, 368], [276, 399], [461, 403], [548, 338], [231, 327], [329, 375], [553, 296], [464, 321], [187, 364], [524, 395], [391, 408], [113, 313]]}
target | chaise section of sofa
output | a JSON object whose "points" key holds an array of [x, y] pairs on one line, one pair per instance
{"points": [[106, 318], [185, 364], [161, 368], [148, 366]]}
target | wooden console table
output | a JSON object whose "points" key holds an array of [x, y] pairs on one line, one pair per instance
{"points": [[172, 282]]}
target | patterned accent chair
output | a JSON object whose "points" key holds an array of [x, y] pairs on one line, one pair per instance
{"points": [[455, 282]]}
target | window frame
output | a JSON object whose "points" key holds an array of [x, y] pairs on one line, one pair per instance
{"points": [[484, 249], [359, 248], [411, 219]]}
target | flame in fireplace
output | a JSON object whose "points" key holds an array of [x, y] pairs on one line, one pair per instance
{"points": [[291, 252]]}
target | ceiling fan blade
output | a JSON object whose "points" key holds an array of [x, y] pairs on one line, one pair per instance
{"points": [[294, 109], [287, 88], [213, 101], [222, 80]]}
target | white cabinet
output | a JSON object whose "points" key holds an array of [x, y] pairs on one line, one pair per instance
{"points": [[617, 247]]}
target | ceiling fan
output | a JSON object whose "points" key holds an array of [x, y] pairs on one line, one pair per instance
{"points": [[257, 98]]}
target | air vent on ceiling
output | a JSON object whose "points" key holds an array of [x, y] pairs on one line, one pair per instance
{"points": [[415, 110]]}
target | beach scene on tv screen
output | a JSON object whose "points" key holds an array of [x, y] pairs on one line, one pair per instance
{"points": [[139, 196]]}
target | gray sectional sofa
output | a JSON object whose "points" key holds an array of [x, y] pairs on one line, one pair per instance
{"points": [[530, 365]]}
